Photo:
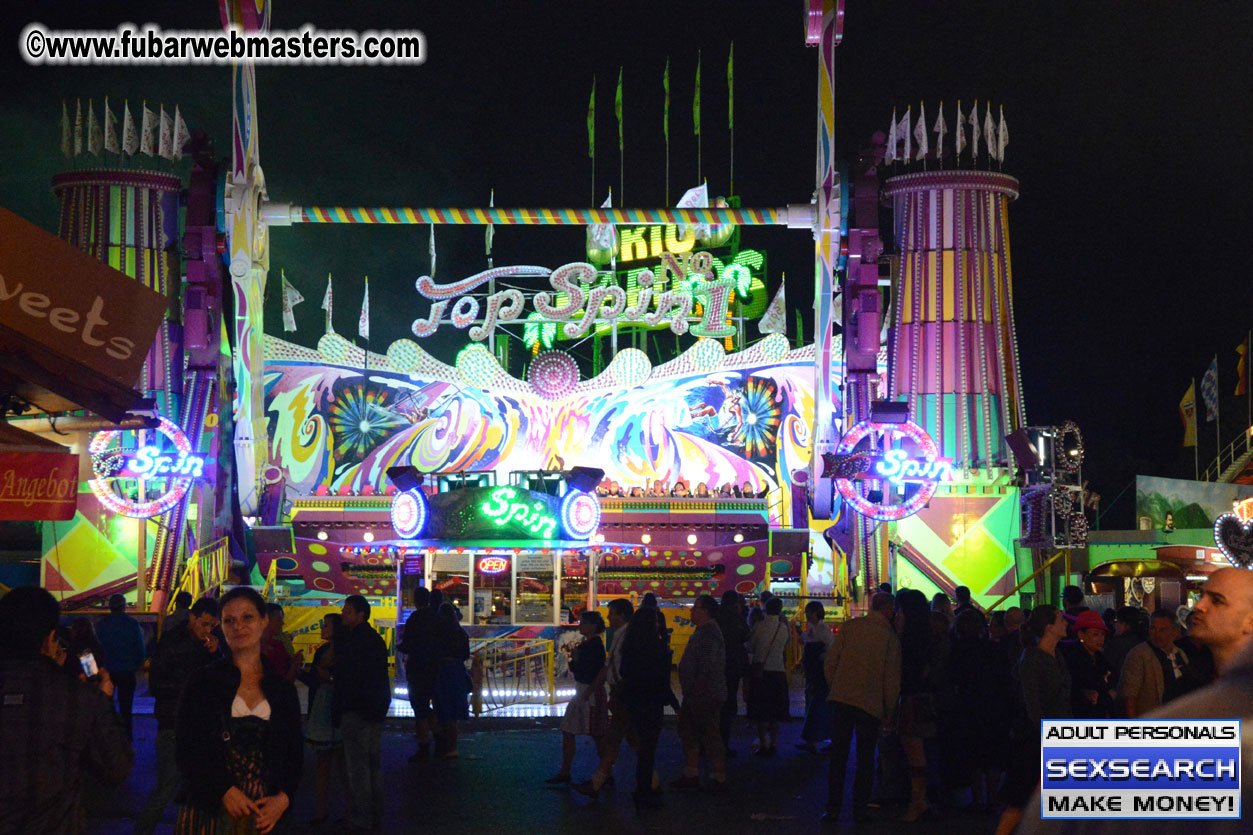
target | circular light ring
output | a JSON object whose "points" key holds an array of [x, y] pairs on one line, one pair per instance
{"points": [[1062, 459], [465, 311], [404, 355], [887, 513], [553, 374], [409, 513], [631, 367], [774, 347], [477, 366], [707, 354], [580, 514], [176, 488]]}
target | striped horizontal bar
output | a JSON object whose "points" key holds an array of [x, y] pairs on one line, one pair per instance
{"points": [[538, 217]]}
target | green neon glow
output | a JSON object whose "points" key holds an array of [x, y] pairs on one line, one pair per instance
{"points": [[539, 331], [504, 507]]}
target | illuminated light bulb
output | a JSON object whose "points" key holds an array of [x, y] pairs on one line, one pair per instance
{"points": [[322, 535], [739, 537], [368, 536], [646, 538], [691, 539]]}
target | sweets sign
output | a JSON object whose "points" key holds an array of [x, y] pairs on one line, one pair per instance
{"points": [[576, 303]]}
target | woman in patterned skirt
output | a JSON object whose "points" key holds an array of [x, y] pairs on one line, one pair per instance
{"points": [[238, 741]]}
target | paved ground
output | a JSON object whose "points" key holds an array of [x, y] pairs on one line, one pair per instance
{"points": [[497, 787]]}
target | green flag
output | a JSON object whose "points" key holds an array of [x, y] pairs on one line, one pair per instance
{"points": [[731, 87], [665, 85], [696, 100], [591, 122], [617, 107]]}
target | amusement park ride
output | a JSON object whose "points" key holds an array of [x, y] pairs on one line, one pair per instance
{"points": [[877, 454]]}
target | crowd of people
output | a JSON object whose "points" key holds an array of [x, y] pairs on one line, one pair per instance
{"points": [[681, 489], [931, 690]]}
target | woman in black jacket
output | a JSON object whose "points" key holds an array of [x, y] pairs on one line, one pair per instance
{"points": [[645, 690], [238, 743]]}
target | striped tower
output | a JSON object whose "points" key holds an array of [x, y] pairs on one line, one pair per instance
{"points": [[953, 352]]}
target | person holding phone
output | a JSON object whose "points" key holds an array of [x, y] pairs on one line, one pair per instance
{"points": [[238, 740]]}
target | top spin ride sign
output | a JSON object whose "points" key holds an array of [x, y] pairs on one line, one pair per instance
{"points": [[900, 459]]}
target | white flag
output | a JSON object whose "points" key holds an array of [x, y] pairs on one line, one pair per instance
{"points": [[165, 139], [890, 155], [181, 135], [989, 131], [78, 127], [110, 129], [326, 305], [774, 320], [961, 131], [130, 136], [363, 321], [909, 139], [430, 249], [491, 204], [291, 298], [695, 198], [941, 130], [147, 132], [1002, 137], [920, 131], [604, 235], [95, 140], [974, 131], [67, 147]]}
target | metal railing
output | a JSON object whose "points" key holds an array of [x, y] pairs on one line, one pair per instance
{"points": [[1236, 450], [510, 671], [207, 569]]}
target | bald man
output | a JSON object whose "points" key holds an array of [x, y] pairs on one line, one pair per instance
{"points": [[1223, 618]]}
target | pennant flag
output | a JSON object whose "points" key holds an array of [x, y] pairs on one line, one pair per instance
{"points": [[617, 107], [1187, 411], [941, 130], [430, 249], [890, 155], [909, 139], [130, 136], [665, 89], [110, 129], [95, 138], [696, 100], [591, 122], [326, 305], [974, 131], [165, 139], [920, 131], [774, 320], [1209, 391], [363, 321], [1002, 137], [961, 130], [1242, 377], [695, 198], [67, 148], [604, 235], [78, 127], [291, 298], [181, 135], [491, 230], [989, 130], [731, 87], [147, 132]]}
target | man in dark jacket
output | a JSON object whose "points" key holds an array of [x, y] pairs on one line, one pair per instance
{"points": [[122, 639], [52, 727], [421, 665], [363, 694], [181, 651]]}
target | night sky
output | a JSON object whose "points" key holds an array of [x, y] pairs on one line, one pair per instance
{"points": [[1129, 130]]}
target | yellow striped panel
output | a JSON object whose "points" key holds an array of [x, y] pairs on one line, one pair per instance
{"points": [[950, 290]]}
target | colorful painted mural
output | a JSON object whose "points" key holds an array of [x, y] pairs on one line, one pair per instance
{"points": [[1186, 505]]}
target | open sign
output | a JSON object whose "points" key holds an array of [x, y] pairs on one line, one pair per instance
{"points": [[493, 565]]}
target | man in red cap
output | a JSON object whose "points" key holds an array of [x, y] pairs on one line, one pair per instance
{"points": [[1090, 693]]}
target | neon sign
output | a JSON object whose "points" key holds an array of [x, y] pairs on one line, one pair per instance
{"points": [[505, 506], [409, 513], [920, 471], [580, 514], [146, 463], [493, 565]]}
